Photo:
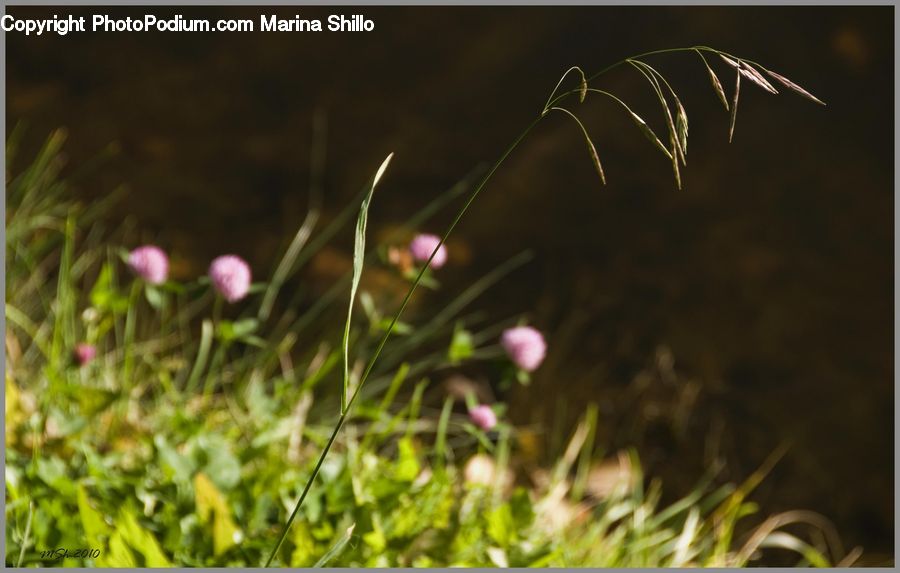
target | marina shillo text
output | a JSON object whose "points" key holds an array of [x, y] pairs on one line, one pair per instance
{"points": [[178, 23]]}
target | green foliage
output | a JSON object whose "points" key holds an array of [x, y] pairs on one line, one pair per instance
{"points": [[125, 456]]}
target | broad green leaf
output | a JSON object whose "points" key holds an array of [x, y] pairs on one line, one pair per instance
{"points": [[375, 538], [461, 346], [179, 466], [500, 524], [221, 464], [359, 255], [407, 467], [95, 528], [95, 400], [141, 540], [212, 508], [401, 328], [155, 296], [104, 295], [304, 546], [245, 327], [14, 412], [118, 554], [225, 330]]}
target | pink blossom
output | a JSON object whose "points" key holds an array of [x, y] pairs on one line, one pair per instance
{"points": [[230, 276], [423, 245], [84, 353], [483, 417], [525, 347], [150, 263]]}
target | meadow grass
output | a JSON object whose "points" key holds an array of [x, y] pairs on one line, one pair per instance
{"points": [[278, 430]]}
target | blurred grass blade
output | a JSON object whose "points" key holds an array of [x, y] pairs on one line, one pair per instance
{"points": [[686, 539], [336, 549], [587, 451], [440, 445], [287, 263], [64, 315], [206, 336], [790, 542], [359, 255], [26, 538]]}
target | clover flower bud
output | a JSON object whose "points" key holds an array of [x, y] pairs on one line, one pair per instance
{"points": [[483, 417], [84, 353], [150, 263], [423, 245], [230, 276], [525, 346]]}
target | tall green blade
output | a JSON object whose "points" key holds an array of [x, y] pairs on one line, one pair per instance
{"points": [[359, 256]]}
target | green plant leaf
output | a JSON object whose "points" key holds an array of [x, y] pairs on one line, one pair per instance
{"points": [[462, 346], [95, 528], [359, 255], [141, 540], [155, 296], [337, 548], [407, 467], [206, 337], [212, 508], [118, 554], [104, 295]]}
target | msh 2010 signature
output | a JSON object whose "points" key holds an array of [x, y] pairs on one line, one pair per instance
{"points": [[63, 553]]}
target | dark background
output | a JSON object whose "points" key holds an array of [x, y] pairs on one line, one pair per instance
{"points": [[751, 309]]}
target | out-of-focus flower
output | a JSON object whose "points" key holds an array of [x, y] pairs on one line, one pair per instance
{"points": [[400, 258], [150, 263], [230, 276], [611, 476], [525, 346], [84, 353], [483, 417], [423, 245], [480, 469]]}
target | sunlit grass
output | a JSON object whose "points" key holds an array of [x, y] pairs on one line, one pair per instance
{"points": [[279, 430]]}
